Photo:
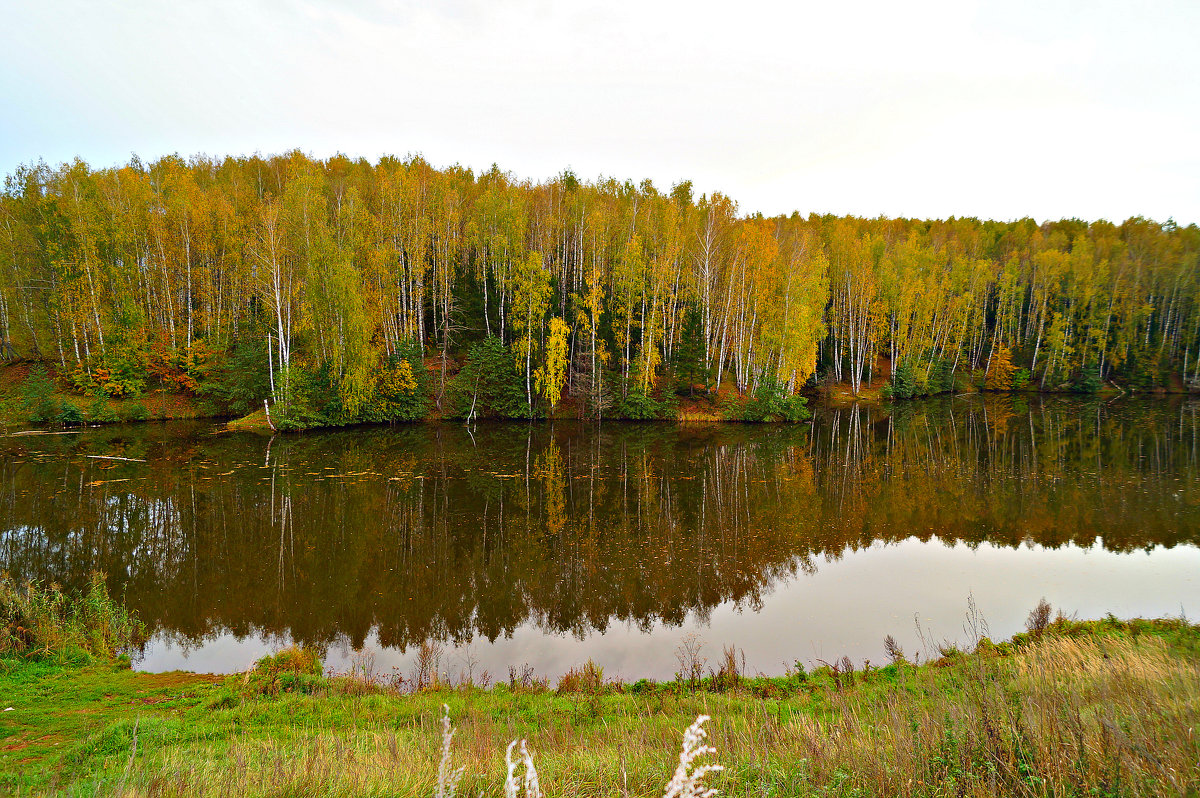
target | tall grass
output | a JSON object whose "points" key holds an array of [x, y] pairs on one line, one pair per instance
{"points": [[1105, 708], [1063, 717], [1071, 711], [43, 621]]}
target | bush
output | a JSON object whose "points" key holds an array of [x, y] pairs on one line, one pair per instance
{"points": [[770, 401], [941, 378], [37, 395], [121, 372], [295, 669], [240, 380], [401, 388], [293, 659], [99, 412], [587, 678], [488, 385], [178, 369], [138, 412], [907, 382], [42, 622], [1000, 371], [1088, 381], [637, 406], [69, 415]]}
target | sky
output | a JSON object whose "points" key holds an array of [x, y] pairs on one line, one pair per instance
{"points": [[1051, 109]]}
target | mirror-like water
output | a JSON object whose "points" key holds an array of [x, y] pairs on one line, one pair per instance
{"points": [[549, 544]]}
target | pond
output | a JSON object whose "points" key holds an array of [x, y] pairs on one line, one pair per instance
{"points": [[544, 545]]}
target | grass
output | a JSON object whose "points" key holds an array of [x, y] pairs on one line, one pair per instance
{"points": [[1097, 708]]}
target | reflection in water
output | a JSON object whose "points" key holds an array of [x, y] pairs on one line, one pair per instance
{"points": [[398, 535]]}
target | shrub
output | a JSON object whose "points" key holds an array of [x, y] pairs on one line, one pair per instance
{"points": [[293, 659], [241, 379], [401, 389], [587, 678], [1088, 381], [643, 686], [729, 674], [488, 385], [638, 406], [1000, 371], [69, 415], [119, 383], [138, 412], [293, 669], [99, 412], [770, 401], [907, 382], [1039, 617], [941, 378], [178, 369], [121, 372], [37, 395]]}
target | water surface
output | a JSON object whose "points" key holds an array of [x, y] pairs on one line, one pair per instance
{"points": [[549, 544]]}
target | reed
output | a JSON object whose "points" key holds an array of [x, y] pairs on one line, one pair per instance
{"points": [[43, 621]]}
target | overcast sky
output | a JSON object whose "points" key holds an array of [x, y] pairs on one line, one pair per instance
{"points": [[1001, 110]]}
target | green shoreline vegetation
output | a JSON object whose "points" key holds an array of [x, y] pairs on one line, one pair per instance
{"points": [[1105, 707], [341, 291]]}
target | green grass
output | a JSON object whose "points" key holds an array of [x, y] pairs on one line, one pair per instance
{"points": [[1098, 708]]}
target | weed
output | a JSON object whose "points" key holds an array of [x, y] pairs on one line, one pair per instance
{"points": [[729, 675], [1039, 618], [425, 667], [587, 678], [691, 661]]}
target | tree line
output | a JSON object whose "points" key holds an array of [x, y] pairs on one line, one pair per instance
{"points": [[344, 290]]}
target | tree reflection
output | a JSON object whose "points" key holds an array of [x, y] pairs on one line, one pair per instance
{"points": [[430, 531]]}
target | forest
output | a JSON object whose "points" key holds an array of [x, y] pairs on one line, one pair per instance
{"points": [[341, 291]]}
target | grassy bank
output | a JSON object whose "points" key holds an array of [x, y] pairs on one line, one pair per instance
{"points": [[1104, 707]]}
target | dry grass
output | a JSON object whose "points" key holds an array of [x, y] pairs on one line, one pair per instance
{"points": [[1065, 717], [1089, 709], [693, 414], [41, 621]]}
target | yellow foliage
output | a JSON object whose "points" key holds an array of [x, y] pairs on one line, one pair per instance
{"points": [[1000, 374], [552, 375]]}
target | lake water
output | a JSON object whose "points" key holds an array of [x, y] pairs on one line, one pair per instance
{"points": [[546, 545]]}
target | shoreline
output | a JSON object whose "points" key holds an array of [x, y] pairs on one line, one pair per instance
{"points": [[904, 728], [77, 411]]}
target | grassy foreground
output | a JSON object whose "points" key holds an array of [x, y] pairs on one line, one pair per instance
{"points": [[1098, 708]]}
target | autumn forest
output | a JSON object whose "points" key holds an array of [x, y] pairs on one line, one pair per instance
{"points": [[340, 290]]}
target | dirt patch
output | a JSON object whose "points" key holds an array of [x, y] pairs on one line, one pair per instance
{"points": [[176, 679], [21, 745]]}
